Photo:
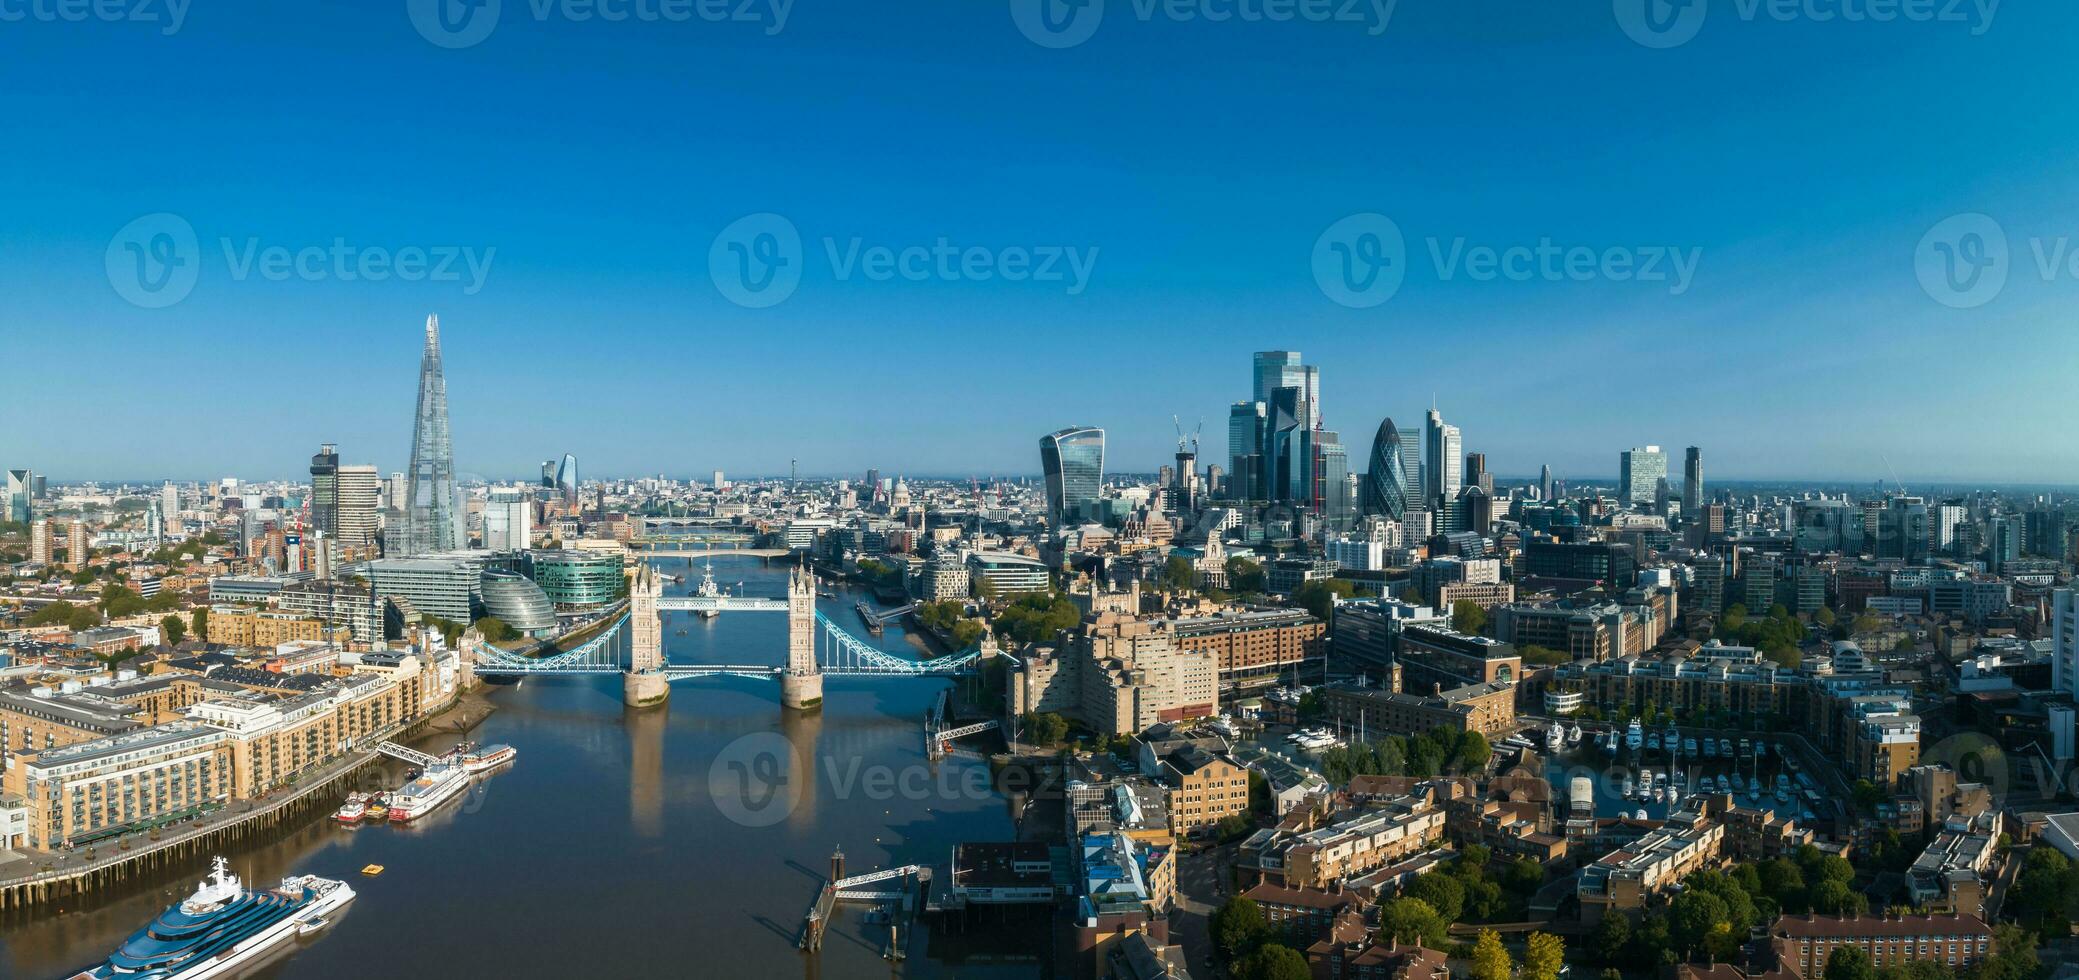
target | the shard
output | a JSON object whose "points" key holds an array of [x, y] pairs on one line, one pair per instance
{"points": [[431, 515]]}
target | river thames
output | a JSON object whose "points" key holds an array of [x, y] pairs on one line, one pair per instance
{"points": [[672, 841]]}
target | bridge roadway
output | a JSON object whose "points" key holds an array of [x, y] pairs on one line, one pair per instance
{"points": [[639, 549], [841, 654]]}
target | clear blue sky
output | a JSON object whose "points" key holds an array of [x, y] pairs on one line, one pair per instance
{"points": [[1200, 160]]}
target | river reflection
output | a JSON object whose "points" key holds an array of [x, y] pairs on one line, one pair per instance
{"points": [[687, 840]]}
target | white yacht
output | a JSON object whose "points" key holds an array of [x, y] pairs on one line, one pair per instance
{"points": [[1634, 736]]}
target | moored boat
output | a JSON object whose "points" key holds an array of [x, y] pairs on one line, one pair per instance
{"points": [[354, 810], [488, 757], [222, 928], [439, 783]]}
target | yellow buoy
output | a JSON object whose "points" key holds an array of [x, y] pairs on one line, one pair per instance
{"points": [[372, 870]]}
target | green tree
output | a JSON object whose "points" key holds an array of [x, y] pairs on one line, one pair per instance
{"points": [[1467, 617], [1537, 656], [1444, 893], [494, 630], [173, 630], [1246, 577], [1318, 596], [1850, 963], [1273, 961], [1412, 920], [1544, 955], [1237, 928], [1178, 574], [1693, 916], [1046, 728], [1610, 939], [199, 621], [1490, 960]]}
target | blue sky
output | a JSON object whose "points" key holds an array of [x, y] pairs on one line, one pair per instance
{"points": [[1193, 165]]}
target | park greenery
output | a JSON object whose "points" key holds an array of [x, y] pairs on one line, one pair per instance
{"points": [[948, 617], [1250, 947], [1468, 617], [1319, 596], [1037, 617], [1776, 635], [1432, 753]]}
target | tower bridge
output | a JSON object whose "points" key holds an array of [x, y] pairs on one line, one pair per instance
{"points": [[647, 676]]}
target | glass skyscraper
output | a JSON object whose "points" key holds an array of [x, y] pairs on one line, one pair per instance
{"points": [[432, 509], [324, 491], [567, 479], [1073, 462], [1641, 470], [21, 488], [1387, 484]]}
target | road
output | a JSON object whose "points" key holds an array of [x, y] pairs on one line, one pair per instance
{"points": [[1202, 884]]}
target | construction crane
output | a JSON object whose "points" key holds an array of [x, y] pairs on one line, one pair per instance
{"points": [[1187, 445]]}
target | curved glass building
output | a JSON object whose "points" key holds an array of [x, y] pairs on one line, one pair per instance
{"points": [[1073, 462], [519, 602], [577, 581], [1387, 484]]}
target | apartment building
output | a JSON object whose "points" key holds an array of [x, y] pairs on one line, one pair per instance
{"points": [[1203, 788], [1119, 674], [1350, 845], [1804, 943], [1251, 647], [1625, 880], [1489, 709], [240, 627], [92, 791]]}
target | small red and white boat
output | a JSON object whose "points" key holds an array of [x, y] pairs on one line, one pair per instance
{"points": [[356, 808]]}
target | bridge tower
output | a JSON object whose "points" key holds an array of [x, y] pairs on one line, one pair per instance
{"points": [[801, 687], [644, 684]]}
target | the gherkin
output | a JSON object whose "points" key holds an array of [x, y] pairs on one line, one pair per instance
{"points": [[1387, 483], [431, 518]]}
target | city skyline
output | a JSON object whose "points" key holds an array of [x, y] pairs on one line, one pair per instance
{"points": [[606, 283]]}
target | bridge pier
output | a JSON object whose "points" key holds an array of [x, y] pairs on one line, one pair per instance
{"points": [[801, 687], [643, 690]]}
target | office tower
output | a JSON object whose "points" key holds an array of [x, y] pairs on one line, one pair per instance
{"points": [[567, 480], [548, 474], [1943, 523], [2048, 533], [720, 483], [1544, 481], [154, 525], [1476, 474], [1388, 484], [359, 510], [1245, 432], [76, 548], [1288, 451], [39, 488], [40, 542], [169, 507], [1184, 490], [1638, 469], [324, 490], [1330, 494], [21, 488], [429, 513], [1692, 483], [508, 520], [2008, 532], [395, 489], [1442, 460], [1073, 462], [1276, 369]]}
